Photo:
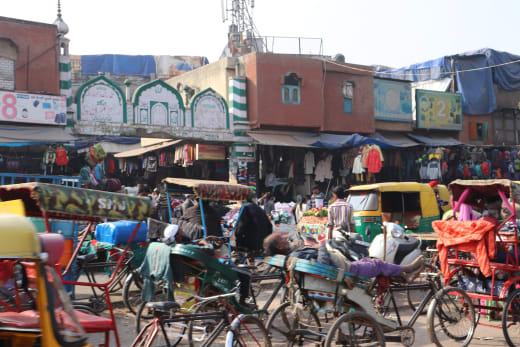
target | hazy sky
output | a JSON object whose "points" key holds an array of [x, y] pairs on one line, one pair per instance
{"points": [[387, 32]]}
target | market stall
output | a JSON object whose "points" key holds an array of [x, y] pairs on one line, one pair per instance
{"points": [[314, 224]]}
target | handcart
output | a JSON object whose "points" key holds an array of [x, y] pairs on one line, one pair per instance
{"points": [[52, 201], [482, 257]]}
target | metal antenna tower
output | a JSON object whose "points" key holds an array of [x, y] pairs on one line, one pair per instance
{"points": [[243, 35]]}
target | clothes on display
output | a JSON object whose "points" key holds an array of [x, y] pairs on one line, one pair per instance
{"points": [[309, 163]]}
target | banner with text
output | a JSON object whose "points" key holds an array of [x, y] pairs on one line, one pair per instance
{"points": [[32, 108], [439, 110]]}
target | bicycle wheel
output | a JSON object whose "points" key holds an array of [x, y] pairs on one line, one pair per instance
{"points": [[451, 316], [132, 292], [174, 331], [287, 325], [199, 330], [415, 296], [151, 335], [247, 330], [511, 319], [355, 329]]}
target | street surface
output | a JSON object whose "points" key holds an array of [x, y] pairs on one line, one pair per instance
{"points": [[484, 336]]}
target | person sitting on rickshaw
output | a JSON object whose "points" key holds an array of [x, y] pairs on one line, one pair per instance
{"points": [[327, 254]]}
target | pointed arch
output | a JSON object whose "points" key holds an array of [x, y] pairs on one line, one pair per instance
{"points": [[195, 103], [92, 83]]}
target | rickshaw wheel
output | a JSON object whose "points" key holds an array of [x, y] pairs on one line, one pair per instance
{"points": [[451, 308], [284, 321], [511, 319], [355, 329]]}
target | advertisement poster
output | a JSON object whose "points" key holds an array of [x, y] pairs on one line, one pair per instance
{"points": [[32, 108], [439, 110], [392, 100], [211, 152]]}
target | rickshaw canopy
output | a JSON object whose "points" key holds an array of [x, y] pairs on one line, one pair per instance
{"points": [[429, 206], [19, 238], [70, 202], [484, 190], [209, 190]]}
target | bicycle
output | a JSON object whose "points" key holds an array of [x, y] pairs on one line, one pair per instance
{"points": [[203, 327]]}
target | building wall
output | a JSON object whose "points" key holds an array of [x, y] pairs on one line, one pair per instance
{"points": [[393, 126], [215, 76], [37, 62], [361, 120], [265, 73], [464, 135]]}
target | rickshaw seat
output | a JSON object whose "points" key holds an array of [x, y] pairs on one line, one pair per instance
{"points": [[53, 245], [92, 323], [23, 320], [412, 219], [163, 305]]}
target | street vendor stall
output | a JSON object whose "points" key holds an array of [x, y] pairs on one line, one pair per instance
{"points": [[314, 223]]}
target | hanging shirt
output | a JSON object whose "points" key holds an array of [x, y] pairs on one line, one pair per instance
{"points": [[433, 171], [374, 163], [357, 168], [308, 163], [485, 168]]}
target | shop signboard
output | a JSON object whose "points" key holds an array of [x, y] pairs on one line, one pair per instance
{"points": [[392, 100], [157, 103], [211, 152], [33, 108], [209, 110], [439, 110], [101, 100]]}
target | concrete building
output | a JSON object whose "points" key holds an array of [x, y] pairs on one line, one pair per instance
{"points": [[293, 92], [29, 54]]}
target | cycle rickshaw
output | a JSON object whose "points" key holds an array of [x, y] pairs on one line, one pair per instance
{"points": [[481, 256], [208, 268], [69, 203]]}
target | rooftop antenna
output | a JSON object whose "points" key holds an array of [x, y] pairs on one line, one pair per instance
{"points": [[243, 36]]}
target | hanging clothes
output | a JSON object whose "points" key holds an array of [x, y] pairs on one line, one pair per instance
{"points": [[357, 167], [433, 170], [308, 163], [374, 163]]}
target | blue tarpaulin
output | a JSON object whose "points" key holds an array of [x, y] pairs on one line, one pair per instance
{"points": [[475, 86], [117, 64], [332, 141], [389, 141], [435, 141]]}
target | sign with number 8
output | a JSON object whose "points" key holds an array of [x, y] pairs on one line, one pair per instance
{"points": [[9, 110]]}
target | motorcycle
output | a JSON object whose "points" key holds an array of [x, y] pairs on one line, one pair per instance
{"points": [[401, 249]]}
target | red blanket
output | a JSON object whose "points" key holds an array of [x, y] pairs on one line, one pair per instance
{"points": [[477, 237]]}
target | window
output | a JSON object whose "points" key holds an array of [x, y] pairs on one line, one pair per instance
{"points": [[291, 89], [478, 131], [347, 90], [364, 201], [8, 56], [507, 127]]}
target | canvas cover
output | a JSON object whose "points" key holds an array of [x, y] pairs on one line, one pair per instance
{"points": [[484, 189], [209, 190], [69, 202]]}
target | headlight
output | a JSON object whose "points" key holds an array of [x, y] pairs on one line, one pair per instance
{"points": [[395, 230]]}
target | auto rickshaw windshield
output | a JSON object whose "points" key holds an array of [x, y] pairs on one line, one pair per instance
{"points": [[364, 201]]}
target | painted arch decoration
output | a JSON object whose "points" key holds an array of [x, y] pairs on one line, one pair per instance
{"points": [[158, 103], [101, 100], [209, 110]]}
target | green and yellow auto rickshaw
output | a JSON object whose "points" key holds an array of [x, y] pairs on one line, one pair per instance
{"points": [[34, 307], [410, 204]]}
